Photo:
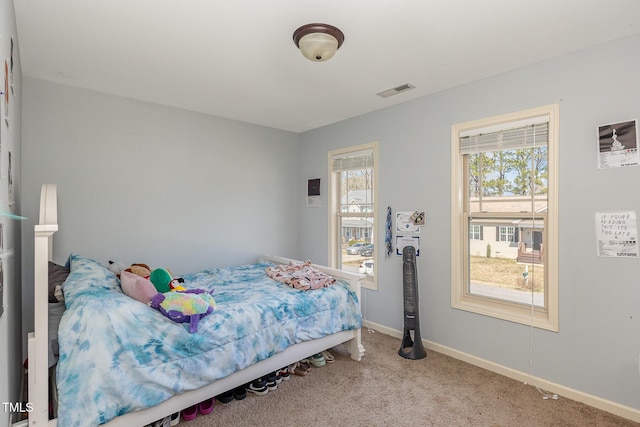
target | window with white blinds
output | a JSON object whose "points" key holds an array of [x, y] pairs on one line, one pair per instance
{"points": [[530, 136], [504, 182], [352, 161], [352, 210]]}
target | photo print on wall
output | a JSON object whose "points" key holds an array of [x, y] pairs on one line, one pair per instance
{"points": [[618, 145]]}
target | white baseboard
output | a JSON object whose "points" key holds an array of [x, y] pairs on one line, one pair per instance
{"points": [[558, 389]]}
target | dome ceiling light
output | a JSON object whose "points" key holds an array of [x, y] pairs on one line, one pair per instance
{"points": [[318, 42]]}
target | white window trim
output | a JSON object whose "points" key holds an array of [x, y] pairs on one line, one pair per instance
{"points": [[544, 318], [472, 234], [334, 232], [506, 232]]}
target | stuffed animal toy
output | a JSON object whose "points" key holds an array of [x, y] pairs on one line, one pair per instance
{"points": [[137, 287], [176, 286], [116, 267], [185, 306], [161, 278], [164, 281], [141, 270]]}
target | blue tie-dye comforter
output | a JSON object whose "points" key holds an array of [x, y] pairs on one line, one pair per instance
{"points": [[118, 355]]}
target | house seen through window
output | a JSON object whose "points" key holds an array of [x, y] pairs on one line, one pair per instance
{"points": [[352, 185], [504, 256]]}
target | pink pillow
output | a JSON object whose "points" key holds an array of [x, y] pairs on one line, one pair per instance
{"points": [[137, 287]]}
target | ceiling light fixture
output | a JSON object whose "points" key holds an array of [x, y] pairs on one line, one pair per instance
{"points": [[318, 42]]}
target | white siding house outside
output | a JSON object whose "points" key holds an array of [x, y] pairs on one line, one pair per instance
{"points": [[357, 228], [521, 240]]}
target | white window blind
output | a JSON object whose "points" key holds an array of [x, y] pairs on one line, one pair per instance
{"points": [[529, 136], [353, 161]]}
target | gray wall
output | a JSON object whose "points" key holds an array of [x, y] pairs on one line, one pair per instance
{"points": [[139, 182], [598, 346], [10, 336]]}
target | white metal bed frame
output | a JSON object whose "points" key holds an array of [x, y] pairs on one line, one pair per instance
{"points": [[38, 373]]}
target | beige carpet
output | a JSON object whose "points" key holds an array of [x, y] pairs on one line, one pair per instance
{"points": [[385, 389]]}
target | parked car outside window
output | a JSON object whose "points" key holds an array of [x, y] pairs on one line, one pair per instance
{"points": [[366, 267], [355, 248], [367, 250]]}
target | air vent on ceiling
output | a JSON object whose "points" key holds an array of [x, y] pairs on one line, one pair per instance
{"points": [[395, 90]]}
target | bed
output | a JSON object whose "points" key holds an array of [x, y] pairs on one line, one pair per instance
{"points": [[122, 363]]}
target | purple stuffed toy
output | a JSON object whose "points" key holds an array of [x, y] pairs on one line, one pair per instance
{"points": [[185, 306]]}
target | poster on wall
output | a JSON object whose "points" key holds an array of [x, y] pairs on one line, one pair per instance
{"points": [[313, 193], [617, 234], [618, 145], [402, 241], [6, 92], [410, 222]]}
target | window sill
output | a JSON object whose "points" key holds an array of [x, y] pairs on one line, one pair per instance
{"points": [[514, 312]]}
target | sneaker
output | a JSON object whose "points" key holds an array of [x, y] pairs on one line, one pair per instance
{"points": [[284, 374], [258, 386], [226, 397], [175, 419], [317, 360], [161, 423], [239, 393], [272, 382]]}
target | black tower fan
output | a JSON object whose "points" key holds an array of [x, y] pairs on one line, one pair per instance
{"points": [[411, 348]]}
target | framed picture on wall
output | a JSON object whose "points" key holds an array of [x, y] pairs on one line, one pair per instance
{"points": [[618, 145], [313, 193]]}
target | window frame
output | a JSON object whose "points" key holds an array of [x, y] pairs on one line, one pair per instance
{"points": [[334, 237], [541, 317]]}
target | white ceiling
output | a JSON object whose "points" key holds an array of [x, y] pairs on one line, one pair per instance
{"points": [[236, 58]]}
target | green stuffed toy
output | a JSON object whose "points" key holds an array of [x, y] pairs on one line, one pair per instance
{"points": [[163, 280]]}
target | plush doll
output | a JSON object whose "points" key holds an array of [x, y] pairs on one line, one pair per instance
{"points": [[139, 269], [161, 278], [164, 281], [137, 287], [116, 267], [175, 284], [185, 306]]}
